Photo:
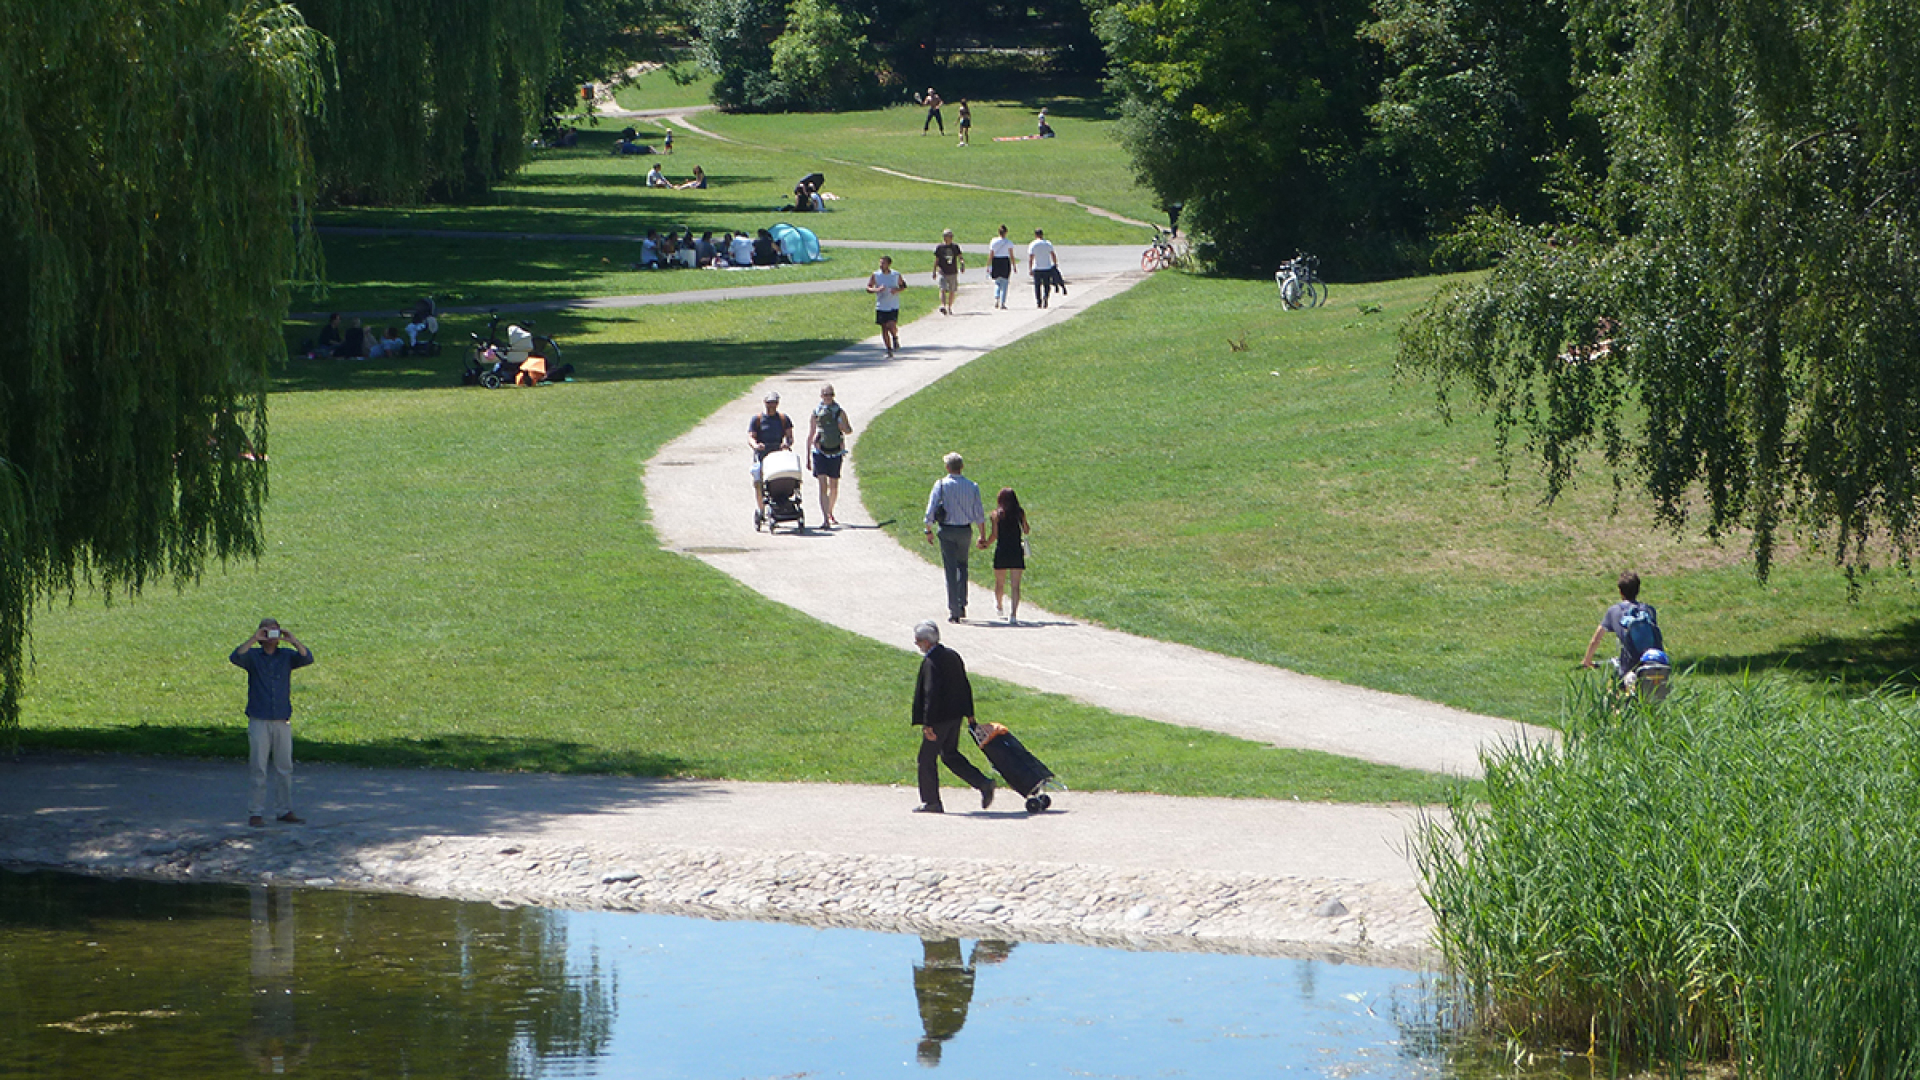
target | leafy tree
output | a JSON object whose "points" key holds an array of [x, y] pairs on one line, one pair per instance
{"points": [[1478, 104], [735, 41], [819, 62], [435, 99], [1248, 112], [152, 162], [1730, 313], [600, 40]]}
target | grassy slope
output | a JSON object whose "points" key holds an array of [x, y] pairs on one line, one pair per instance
{"points": [[1293, 504], [475, 572]]}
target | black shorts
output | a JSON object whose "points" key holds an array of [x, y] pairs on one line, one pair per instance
{"points": [[883, 316], [825, 464]]}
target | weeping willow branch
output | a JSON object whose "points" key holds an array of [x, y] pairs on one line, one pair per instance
{"points": [[153, 161]]}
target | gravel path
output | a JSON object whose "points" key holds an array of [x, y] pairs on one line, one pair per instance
{"points": [[1129, 870]]}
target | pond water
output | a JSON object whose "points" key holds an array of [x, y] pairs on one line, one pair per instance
{"points": [[124, 978]]}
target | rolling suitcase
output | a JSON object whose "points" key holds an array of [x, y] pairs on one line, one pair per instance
{"points": [[1023, 772]]}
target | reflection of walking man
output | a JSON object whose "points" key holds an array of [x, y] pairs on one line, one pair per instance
{"points": [[942, 701], [269, 671], [943, 985], [953, 506]]}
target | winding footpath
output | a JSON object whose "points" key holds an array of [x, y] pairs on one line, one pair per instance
{"points": [[1128, 870]]}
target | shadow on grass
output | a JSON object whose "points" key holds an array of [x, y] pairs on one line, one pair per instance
{"points": [[1888, 657], [613, 362], [473, 753]]}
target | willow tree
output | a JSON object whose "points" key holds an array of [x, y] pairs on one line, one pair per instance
{"points": [[1729, 315], [434, 98], [152, 161]]}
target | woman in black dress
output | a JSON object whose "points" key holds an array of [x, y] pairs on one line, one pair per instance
{"points": [[1007, 529]]}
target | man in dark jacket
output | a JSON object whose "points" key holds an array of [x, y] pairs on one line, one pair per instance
{"points": [[942, 701]]}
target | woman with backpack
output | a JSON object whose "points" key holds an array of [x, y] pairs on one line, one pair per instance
{"points": [[827, 437]]}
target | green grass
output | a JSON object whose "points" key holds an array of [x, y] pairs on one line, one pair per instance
{"points": [[383, 274], [660, 89], [1295, 505], [1726, 877], [475, 572], [586, 190]]}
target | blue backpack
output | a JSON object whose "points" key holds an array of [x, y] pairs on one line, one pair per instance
{"points": [[1638, 630]]}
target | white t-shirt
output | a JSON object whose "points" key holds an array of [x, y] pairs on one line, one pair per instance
{"points": [[1040, 254], [1000, 248], [885, 299], [741, 253]]}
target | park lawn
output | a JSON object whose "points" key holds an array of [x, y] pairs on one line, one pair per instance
{"points": [[476, 574], [588, 190], [377, 276], [1292, 503], [660, 89], [1085, 161]]}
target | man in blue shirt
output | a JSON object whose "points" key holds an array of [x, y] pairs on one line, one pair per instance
{"points": [[269, 671], [953, 507]]}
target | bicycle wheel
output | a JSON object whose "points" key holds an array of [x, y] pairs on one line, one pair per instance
{"points": [[1315, 293], [1289, 290], [1154, 258]]}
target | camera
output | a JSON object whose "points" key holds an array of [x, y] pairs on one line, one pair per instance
{"points": [[273, 632]]}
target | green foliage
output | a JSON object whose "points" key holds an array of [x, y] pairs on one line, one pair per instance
{"points": [[152, 158], [600, 40], [434, 99], [1478, 103], [1249, 112], [1725, 876], [1748, 261], [819, 63], [735, 41]]}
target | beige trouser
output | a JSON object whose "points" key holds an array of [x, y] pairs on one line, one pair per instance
{"points": [[270, 750]]}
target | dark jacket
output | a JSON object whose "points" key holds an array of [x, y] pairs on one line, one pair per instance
{"points": [[942, 694]]}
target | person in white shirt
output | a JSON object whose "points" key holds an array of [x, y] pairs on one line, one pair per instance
{"points": [[1000, 250], [1044, 267], [886, 284], [740, 252], [656, 178]]}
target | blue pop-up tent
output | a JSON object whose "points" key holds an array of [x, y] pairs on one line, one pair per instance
{"points": [[800, 245]]}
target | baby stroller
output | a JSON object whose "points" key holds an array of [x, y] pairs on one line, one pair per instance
{"points": [[780, 480], [522, 359]]}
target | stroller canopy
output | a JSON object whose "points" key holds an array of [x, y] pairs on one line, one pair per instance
{"points": [[800, 245]]}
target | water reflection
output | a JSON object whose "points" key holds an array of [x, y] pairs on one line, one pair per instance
{"points": [[274, 1043], [943, 984], [131, 978]]}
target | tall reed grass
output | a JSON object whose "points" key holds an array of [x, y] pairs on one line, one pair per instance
{"points": [[1730, 877]]}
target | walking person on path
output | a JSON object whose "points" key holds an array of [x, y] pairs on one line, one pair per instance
{"points": [[886, 285], [948, 263], [1044, 267], [768, 431], [932, 102], [1006, 535], [953, 507], [269, 671], [966, 121], [942, 702], [827, 433], [1000, 268]]}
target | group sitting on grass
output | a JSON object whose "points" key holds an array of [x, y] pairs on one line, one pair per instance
{"points": [[353, 342], [679, 249]]}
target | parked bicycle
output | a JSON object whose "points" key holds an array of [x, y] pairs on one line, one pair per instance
{"points": [[1161, 254], [1299, 281]]}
